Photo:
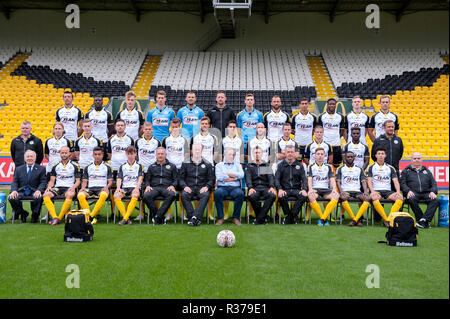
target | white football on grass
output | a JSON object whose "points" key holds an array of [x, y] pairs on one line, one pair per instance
{"points": [[226, 238]]}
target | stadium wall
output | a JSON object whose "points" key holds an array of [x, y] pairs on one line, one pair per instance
{"points": [[166, 31]]}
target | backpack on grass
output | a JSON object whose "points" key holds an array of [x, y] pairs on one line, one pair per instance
{"points": [[78, 228], [402, 230]]}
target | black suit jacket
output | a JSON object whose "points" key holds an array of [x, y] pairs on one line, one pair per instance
{"points": [[38, 180]]}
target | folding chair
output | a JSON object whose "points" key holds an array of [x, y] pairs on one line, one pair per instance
{"points": [[320, 200], [228, 199], [127, 199], [406, 203], [93, 200], [161, 199], [291, 202], [195, 198], [248, 205], [350, 200], [56, 199], [373, 211], [28, 199]]}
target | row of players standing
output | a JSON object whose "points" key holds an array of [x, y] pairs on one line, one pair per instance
{"points": [[98, 124], [273, 134]]}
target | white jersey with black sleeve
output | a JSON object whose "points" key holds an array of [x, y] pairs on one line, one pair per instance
{"points": [[51, 149], [176, 149], [129, 174], [303, 126], [274, 124], [69, 117], [320, 175], [381, 176], [377, 120], [116, 147], [100, 121], [350, 178], [332, 125], [133, 121], [360, 150], [85, 147], [65, 174], [360, 120], [146, 150], [97, 175]]}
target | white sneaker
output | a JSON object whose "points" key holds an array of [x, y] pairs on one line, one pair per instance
{"points": [[169, 216], [139, 218], [45, 218]]}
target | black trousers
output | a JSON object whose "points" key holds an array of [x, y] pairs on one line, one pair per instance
{"points": [[16, 204], [292, 195], [261, 194], [149, 200], [432, 205], [186, 199]]}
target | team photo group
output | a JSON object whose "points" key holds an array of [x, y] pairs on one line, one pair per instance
{"points": [[219, 156]]}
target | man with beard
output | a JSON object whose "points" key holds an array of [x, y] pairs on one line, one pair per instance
{"points": [[275, 119]]}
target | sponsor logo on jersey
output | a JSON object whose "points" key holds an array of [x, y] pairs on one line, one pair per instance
{"points": [[53, 152], [381, 179], [118, 148], [68, 120], [190, 120], [350, 179], [96, 177], [275, 124], [302, 126], [318, 178], [249, 124], [161, 121], [357, 124], [146, 152], [131, 122], [330, 126]]}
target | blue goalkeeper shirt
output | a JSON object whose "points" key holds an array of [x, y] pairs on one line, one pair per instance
{"points": [[190, 120], [247, 122], [161, 121]]}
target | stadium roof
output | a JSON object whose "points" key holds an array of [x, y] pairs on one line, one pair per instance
{"points": [[203, 7]]}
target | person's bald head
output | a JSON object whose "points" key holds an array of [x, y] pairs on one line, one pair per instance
{"points": [[64, 152], [416, 159]]}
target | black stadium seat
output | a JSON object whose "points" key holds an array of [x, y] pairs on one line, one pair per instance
{"points": [[76, 81]]}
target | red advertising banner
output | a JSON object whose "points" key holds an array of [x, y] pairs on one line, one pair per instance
{"points": [[439, 169], [7, 169]]}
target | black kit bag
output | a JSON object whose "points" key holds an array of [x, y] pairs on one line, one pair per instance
{"points": [[78, 228], [402, 230]]}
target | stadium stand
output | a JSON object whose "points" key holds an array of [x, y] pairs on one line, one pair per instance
{"points": [[322, 81], [37, 84], [145, 76], [417, 81], [262, 72], [109, 72], [6, 53], [371, 72], [102, 64]]}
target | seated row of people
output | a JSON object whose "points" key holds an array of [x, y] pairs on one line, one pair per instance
{"points": [[197, 178]]}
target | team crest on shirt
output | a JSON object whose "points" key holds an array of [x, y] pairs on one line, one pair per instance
{"points": [[395, 142], [202, 166], [168, 166], [425, 172], [297, 167]]}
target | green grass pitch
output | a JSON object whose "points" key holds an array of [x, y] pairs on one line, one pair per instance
{"points": [[177, 261]]}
